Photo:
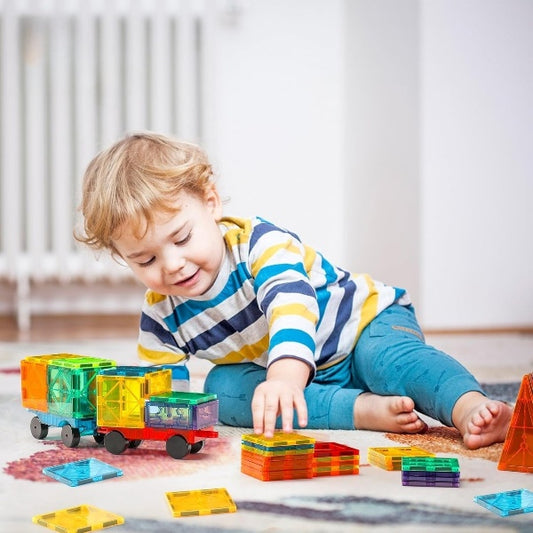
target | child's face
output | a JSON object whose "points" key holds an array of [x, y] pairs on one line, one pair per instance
{"points": [[182, 252]]}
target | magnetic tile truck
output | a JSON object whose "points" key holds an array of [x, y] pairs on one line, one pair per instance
{"points": [[120, 406]]}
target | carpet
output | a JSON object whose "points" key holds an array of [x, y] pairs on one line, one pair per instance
{"points": [[373, 500]]}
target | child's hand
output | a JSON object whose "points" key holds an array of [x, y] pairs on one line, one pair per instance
{"points": [[281, 393]]}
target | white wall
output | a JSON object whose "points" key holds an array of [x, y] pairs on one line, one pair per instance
{"points": [[395, 136], [279, 114], [477, 163], [440, 165], [382, 140]]}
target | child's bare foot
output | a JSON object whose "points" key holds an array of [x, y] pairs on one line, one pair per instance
{"points": [[481, 421], [386, 413]]}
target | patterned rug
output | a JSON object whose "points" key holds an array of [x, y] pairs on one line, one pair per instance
{"points": [[373, 500]]}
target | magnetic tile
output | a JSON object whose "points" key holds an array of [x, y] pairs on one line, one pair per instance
{"points": [[200, 502], [430, 464], [507, 503], [82, 472], [78, 519]]}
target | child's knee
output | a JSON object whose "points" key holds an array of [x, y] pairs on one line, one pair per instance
{"points": [[234, 386]]}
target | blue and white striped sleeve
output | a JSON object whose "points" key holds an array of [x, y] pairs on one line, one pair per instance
{"points": [[278, 265]]}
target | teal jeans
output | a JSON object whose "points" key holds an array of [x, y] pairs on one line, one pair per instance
{"points": [[390, 358]]}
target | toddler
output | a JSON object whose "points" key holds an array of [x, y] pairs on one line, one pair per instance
{"points": [[295, 340]]}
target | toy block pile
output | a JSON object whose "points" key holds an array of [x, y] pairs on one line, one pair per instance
{"points": [[293, 456], [333, 459], [283, 456], [391, 458], [430, 471]]}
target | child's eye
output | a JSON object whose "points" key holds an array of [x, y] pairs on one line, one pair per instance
{"points": [[147, 263], [184, 240]]}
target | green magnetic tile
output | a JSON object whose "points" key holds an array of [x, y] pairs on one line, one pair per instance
{"points": [[431, 464], [78, 519], [83, 362], [507, 503], [179, 397], [82, 472]]}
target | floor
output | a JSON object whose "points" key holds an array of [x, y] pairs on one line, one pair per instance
{"points": [[374, 500]]}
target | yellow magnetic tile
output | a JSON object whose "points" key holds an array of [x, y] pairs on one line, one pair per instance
{"points": [[78, 519], [279, 439], [200, 502]]}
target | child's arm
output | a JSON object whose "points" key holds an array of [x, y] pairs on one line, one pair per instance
{"points": [[281, 393]]}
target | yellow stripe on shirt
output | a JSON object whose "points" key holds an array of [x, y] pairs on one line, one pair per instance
{"points": [[159, 358], [296, 309], [370, 306], [270, 252], [153, 298], [249, 353]]}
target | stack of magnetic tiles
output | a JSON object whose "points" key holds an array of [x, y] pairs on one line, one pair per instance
{"points": [[334, 459], [283, 456], [390, 458], [430, 471]]}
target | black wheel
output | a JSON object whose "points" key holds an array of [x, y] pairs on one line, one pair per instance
{"points": [[134, 443], [99, 438], [197, 446], [177, 447], [70, 436], [38, 429], [115, 442]]}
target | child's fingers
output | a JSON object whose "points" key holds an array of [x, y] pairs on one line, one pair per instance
{"points": [[258, 411], [301, 409]]}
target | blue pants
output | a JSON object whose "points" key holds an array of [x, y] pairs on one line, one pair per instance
{"points": [[390, 358]]}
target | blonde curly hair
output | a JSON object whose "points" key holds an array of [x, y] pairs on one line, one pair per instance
{"points": [[133, 179]]}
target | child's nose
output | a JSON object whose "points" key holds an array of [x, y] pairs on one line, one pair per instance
{"points": [[173, 261]]}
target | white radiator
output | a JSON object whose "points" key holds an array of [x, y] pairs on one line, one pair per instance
{"points": [[76, 75]]}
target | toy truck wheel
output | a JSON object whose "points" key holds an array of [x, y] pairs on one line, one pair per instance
{"points": [[115, 442], [177, 447], [197, 446], [70, 436], [38, 429], [99, 438]]}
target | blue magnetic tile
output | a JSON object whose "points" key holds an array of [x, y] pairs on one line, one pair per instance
{"points": [[507, 503], [82, 472]]}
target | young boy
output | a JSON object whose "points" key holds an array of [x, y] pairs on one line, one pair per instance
{"points": [[291, 335]]}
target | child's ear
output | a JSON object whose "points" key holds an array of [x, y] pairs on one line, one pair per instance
{"points": [[213, 202]]}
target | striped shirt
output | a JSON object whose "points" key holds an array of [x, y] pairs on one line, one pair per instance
{"points": [[274, 297]]}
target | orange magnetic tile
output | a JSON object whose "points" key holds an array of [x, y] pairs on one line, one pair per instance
{"points": [[321, 471], [334, 449], [281, 475], [517, 452], [277, 461]]}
